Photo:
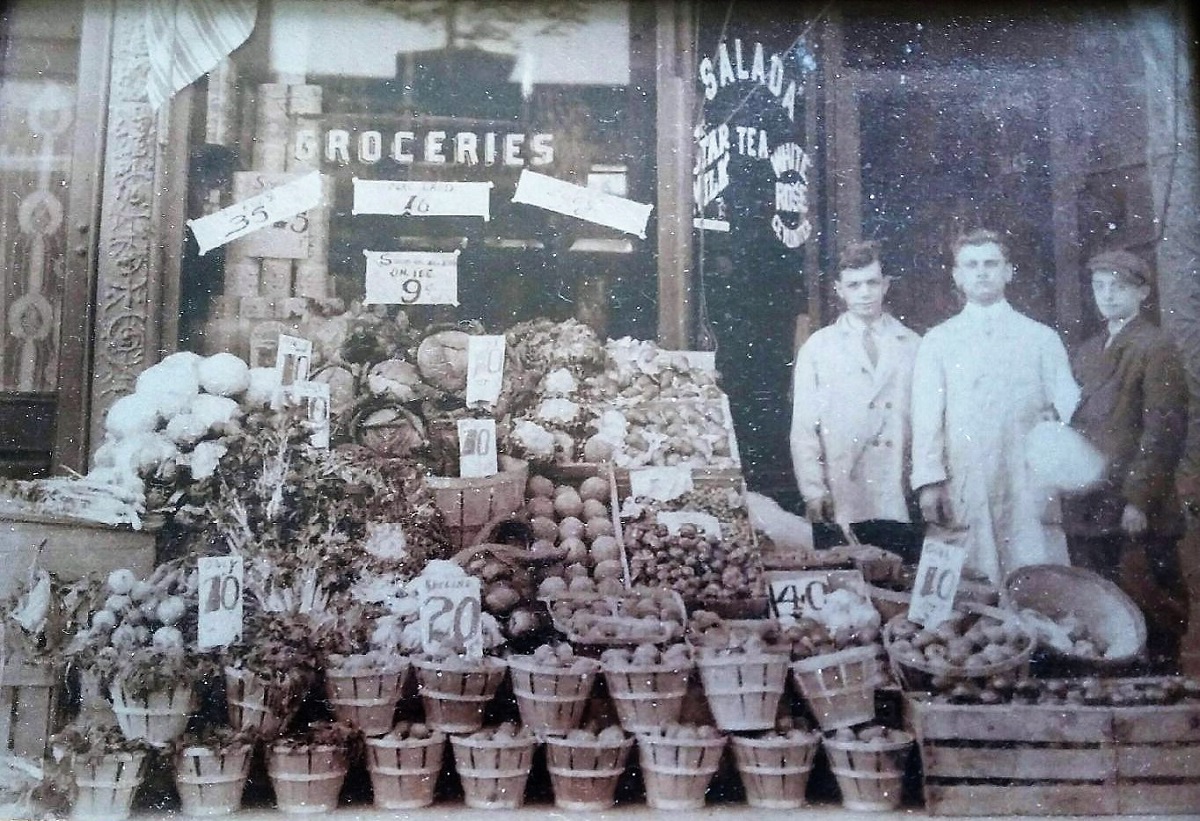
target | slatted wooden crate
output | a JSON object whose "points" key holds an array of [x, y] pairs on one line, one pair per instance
{"points": [[28, 702], [1057, 760]]}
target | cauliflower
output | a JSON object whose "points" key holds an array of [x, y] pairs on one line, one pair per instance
{"points": [[562, 411], [215, 410], [847, 610], [183, 359], [263, 384], [223, 374], [205, 458], [143, 454], [176, 377], [536, 441], [559, 383], [187, 429], [132, 415]]}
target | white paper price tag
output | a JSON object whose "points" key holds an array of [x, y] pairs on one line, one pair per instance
{"points": [[938, 574], [314, 396], [485, 368], [706, 523], [412, 198], [451, 615], [661, 483], [293, 360], [411, 278], [220, 595], [287, 239], [803, 594], [276, 205], [582, 203], [477, 447]]}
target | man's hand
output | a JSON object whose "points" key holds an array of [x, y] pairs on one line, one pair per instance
{"points": [[935, 504], [1133, 521], [819, 510]]}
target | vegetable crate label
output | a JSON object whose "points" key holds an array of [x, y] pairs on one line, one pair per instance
{"points": [[485, 368], [411, 278], [451, 615], [412, 198], [796, 595], [293, 360], [938, 574], [477, 448], [660, 483], [279, 204], [220, 594]]}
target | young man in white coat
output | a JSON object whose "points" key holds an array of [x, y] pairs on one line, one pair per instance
{"points": [[850, 414], [983, 379]]}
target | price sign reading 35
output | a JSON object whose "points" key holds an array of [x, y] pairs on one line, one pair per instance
{"points": [[451, 615], [220, 594], [477, 447]]}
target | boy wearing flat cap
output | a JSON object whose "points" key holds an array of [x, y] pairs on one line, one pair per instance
{"points": [[1133, 408]]}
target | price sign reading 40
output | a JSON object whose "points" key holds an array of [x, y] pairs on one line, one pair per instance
{"points": [[485, 368], [451, 615], [938, 574], [477, 447], [797, 595], [220, 594]]}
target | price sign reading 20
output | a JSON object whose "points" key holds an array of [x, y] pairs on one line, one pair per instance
{"points": [[451, 615]]}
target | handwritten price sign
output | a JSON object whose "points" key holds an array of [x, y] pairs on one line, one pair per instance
{"points": [[582, 203], [451, 615], [477, 447], [220, 588], [485, 368], [286, 239], [411, 278], [938, 574], [409, 198], [803, 594], [279, 204]]}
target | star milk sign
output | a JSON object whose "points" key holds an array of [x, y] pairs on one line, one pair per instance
{"points": [[751, 137]]}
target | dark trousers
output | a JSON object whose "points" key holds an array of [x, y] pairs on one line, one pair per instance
{"points": [[902, 538], [1149, 572]]}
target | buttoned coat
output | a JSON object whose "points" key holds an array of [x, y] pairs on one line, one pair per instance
{"points": [[1134, 410], [850, 419], [979, 386]]}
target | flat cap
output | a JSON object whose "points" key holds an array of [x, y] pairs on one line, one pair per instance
{"points": [[1125, 263]]}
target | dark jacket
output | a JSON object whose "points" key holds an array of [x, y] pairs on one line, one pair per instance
{"points": [[1134, 409]]}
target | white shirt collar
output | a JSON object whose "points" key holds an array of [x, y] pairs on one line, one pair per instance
{"points": [[854, 323], [974, 310]]}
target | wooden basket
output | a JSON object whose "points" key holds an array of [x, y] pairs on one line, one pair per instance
{"points": [[105, 787], [584, 774], [210, 782], [869, 774], [743, 691], [913, 675], [470, 504], [646, 696], [157, 718], [678, 771], [493, 773], [775, 769], [28, 717], [839, 687], [404, 772], [455, 698], [552, 701], [260, 704], [366, 699], [306, 780]]}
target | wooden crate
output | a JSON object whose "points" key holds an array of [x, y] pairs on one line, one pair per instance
{"points": [[1057, 760], [28, 702]]}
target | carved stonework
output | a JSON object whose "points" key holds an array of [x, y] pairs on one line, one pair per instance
{"points": [[128, 260]]}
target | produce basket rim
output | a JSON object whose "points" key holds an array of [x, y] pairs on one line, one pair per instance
{"points": [[886, 746], [509, 467], [525, 662], [590, 744], [823, 660], [1011, 663]]}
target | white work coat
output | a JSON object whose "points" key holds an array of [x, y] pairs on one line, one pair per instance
{"points": [[850, 420], [982, 380]]}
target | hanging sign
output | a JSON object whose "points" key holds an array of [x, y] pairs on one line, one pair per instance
{"points": [[411, 278], [660, 483], [582, 203], [485, 368], [451, 614], [249, 215], [410, 198], [477, 448], [220, 597], [938, 575]]}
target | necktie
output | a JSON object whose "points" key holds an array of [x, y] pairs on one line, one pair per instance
{"points": [[870, 345]]}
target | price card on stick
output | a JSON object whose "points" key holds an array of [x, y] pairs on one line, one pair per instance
{"points": [[938, 575], [415, 198], [660, 483], [802, 594], [293, 360], [315, 398], [411, 278], [220, 594], [278, 204], [451, 614], [485, 368], [477, 447]]}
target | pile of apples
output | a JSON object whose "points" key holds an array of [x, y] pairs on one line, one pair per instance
{"points": [[871, 735], [139, 613], [575, 521], [675, 656], [507, 732], [562, 657], [413, 731], [962, 642], [612, 735], [694, 564]]}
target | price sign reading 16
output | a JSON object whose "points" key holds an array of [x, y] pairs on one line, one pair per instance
{"points": [[464, 619]]}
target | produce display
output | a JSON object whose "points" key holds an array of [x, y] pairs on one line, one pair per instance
{"points": [[633, 618], [574, 521], [960, 645]]}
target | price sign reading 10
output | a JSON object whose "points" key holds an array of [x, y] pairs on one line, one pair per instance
{"points": [[220, 600]]}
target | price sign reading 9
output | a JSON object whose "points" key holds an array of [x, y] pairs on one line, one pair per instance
{"points": [[411, 278]]}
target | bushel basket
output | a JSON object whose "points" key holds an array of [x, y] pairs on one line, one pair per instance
{"points": [[743, 691], [839, 687], [552, 700], [156, 718], [262, 704], [584, 774], [775, 769], [366, 699], [105, 787], [468, 504], [455, 697], [306, 779], [493, 772], [404, 771], [646, 697], [678, 771], [210, 782], [869, 773]]}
